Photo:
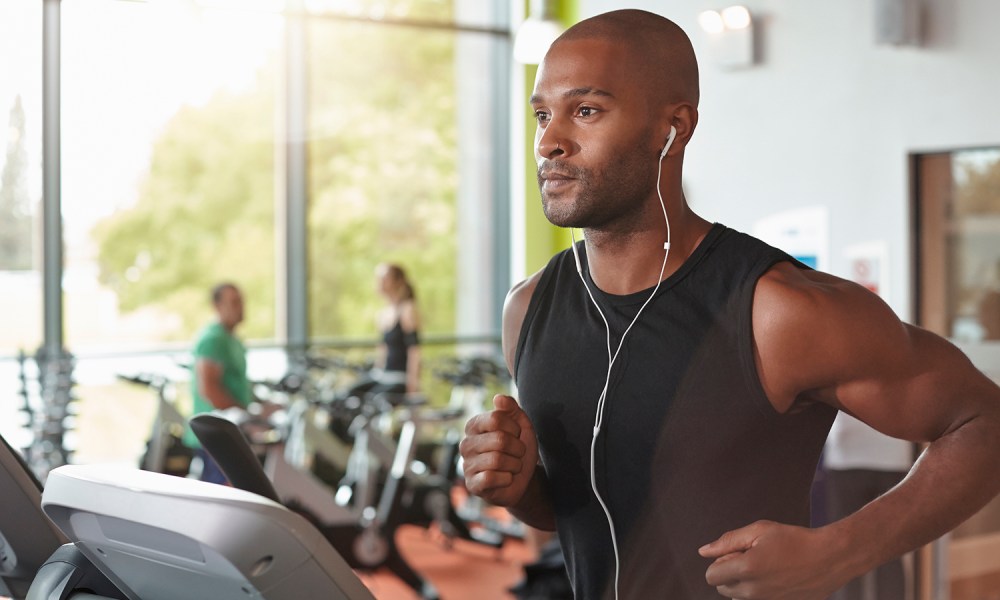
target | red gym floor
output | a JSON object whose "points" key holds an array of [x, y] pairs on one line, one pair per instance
{"points": [[462, 572]]}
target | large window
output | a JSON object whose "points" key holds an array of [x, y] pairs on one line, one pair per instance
{"points": [[167, 140], [20, 197], [168, 186], [959, 208], [405, 152], [174, 169]]}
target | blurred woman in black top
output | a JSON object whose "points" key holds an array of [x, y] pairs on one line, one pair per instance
{"points": [[397, 357]]}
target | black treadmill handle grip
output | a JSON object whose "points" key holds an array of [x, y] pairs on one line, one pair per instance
{"points": [[69, 574], [229, 448]]}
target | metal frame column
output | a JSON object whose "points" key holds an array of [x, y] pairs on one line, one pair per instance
{"points": [[293, 191], [52, 259]]}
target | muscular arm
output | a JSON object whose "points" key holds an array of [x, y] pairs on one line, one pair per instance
{"points": [[534, 509], [907, 383], [531, 506], [515, 307], [819, 338], [413, 369], [209, 374]]}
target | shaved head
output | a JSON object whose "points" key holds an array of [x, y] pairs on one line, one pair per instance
{"points": [[609, 94], [659, 52]]}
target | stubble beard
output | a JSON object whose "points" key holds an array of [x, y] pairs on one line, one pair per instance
{"points": [[612, 198]]}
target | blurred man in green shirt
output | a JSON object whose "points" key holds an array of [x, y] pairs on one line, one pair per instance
{"points": [[219, 380]]}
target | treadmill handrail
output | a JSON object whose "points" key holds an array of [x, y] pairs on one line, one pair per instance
{"points": [[229, 448]]}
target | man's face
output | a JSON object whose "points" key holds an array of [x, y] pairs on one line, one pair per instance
{"points": [[230, 307], [594, 144]]}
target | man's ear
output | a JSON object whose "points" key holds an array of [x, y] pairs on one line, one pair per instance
{"points": [[684, 118]]}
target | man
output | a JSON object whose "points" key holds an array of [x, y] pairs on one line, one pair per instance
{"points": [[702, 437], [219, 380]]}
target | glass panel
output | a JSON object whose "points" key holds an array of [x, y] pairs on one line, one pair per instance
{"points": [[974, 246], [382, 172], [391, 178], [168, 176], [20, 199], [168, 180], [168, 113]]}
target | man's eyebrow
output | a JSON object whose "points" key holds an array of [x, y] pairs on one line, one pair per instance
{"points": [[575, 93]]}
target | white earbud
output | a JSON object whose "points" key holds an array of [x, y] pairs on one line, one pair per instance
{"points": [[670, 141]]}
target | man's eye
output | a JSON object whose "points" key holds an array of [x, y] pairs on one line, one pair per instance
{"points": [[541, 117], [586, 111]]}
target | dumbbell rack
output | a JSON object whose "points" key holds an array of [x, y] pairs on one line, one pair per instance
{"points": [[52, 414]]}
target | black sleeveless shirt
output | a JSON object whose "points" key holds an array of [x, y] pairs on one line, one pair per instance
{"points": [[690, 446], [397, 344]]}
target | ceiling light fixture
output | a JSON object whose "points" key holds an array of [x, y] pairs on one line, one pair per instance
{"points": [[730, 36], [537, 33]]}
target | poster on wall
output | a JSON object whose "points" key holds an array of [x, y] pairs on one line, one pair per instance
{"points": [[867, 264], [801, 232]]}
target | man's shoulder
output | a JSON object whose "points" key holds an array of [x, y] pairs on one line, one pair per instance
{"points": [[740, 243], [522, 291], [211, 330], [211, 341], [515, 308], [518, 299], [791, 282]]}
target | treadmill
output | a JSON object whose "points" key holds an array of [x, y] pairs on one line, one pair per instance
{"points": [[113, 533]]}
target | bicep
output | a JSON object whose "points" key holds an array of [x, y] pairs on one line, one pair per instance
{"points": [[918, 389], [515, 307], [820, 338]]}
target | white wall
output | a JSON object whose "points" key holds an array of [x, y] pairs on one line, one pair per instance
{"points": [[828, 117]]}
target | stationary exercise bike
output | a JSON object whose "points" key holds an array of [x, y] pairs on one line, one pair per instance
{"points": [[165, 452], [472, 379], [428, 497], [319, 426]]}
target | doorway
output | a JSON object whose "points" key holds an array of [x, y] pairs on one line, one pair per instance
{"points": [[956, 224]]}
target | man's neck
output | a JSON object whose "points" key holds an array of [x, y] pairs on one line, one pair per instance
{"points": [[623, 264]]}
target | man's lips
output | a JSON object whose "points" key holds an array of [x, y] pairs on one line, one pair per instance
{"points": [[554, 180]]}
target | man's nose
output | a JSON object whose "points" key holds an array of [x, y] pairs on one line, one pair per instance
{"points": [[551, 141]]}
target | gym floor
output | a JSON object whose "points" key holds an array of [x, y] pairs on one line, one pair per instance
{"points": [[465, 570]]}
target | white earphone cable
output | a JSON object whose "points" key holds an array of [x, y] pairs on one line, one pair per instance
{"points": [[599, 418]]}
